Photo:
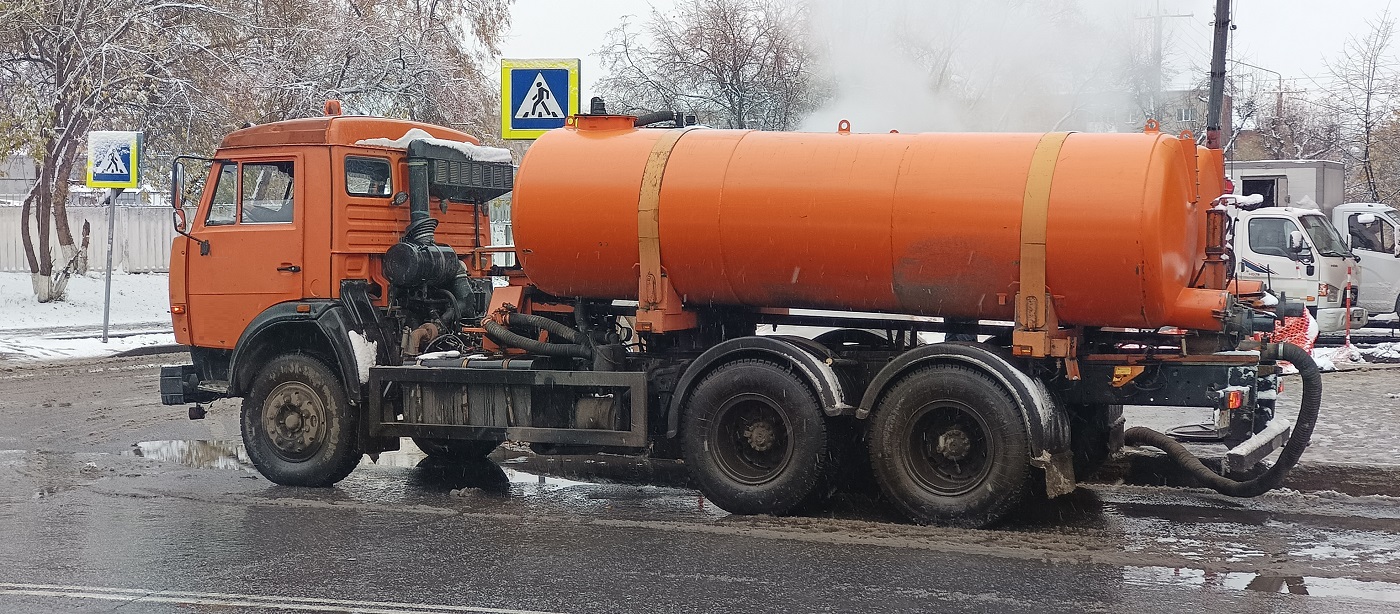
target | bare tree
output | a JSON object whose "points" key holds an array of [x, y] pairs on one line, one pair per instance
{"points": [[68, 66], [735, 63], [188, 72], [1364, 95]]}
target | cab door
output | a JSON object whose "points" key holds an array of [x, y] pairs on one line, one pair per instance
{"points": [[1263, 254], [1375, 243], [253, 220]]}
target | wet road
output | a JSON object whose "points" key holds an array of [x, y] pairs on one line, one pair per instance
{"points": [[92, 523]]}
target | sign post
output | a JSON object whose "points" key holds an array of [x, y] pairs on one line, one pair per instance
{"points": [[114, 160], [537, 96]]}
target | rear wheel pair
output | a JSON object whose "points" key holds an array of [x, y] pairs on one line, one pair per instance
{"points": [[947, 445]]}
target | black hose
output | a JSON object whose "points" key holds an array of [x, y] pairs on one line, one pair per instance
{"points": [[553, 326], [507, 337], [1292, 450], [657, 117], [420, 231]]}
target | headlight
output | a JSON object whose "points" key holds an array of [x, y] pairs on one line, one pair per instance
{"points": [[1329, 291]]}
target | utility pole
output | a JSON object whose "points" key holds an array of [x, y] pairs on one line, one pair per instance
{"points": [[1217, 73], [1156, 80]]}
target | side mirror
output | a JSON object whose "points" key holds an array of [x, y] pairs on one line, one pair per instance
{"points": [[178, 218], [177, 190], [1295, 241], [1366, 218], [1298, 246]]}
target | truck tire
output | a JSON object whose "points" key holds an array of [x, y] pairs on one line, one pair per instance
{"points": [[755, 439], [455, 449], [298, 426], [948, 446]]}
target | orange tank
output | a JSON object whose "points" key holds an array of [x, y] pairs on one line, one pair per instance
{"points": [[926, 224]]}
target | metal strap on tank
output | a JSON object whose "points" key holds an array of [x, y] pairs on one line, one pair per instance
{"points": [[652, 290], [1032, 296]]}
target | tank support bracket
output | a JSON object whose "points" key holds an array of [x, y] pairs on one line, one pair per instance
{"points": [[1038, 333], [659, 308]]}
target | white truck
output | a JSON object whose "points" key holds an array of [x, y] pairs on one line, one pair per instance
{"points": [[1297, 252], [1371, 230]]}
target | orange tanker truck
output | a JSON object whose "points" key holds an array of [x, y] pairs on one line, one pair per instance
{"points": [[337, 275]]}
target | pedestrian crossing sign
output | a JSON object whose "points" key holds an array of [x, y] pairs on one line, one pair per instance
{"points": [[537, 95], [114, 159]]}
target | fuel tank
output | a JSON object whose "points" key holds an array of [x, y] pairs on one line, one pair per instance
{"points": [[925, 224]]}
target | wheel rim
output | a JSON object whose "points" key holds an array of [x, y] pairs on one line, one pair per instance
{"points": [[752, 439], [949, 448], [294, 420]]}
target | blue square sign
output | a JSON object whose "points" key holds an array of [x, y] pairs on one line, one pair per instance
{"points": [[537, 95]]}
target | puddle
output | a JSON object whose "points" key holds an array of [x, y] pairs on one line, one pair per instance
{"points": [[229, 455], [1297, 585], [199, 454]]}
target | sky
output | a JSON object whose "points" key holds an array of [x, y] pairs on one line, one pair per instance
{"points": [[1289, 37]]}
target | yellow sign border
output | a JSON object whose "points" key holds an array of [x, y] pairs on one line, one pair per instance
{"points": [[134, 182], [507, 66]]}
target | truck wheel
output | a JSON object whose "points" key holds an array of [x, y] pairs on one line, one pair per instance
{"points": [[948, 446], [755, 439], [455, 449], [298, 425]]}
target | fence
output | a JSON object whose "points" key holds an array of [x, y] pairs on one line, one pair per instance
{"points": [[144, 234], [142, 244]]}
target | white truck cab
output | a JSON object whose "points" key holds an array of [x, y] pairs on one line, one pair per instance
{"points": [[1299, 253], [1373, 233]]}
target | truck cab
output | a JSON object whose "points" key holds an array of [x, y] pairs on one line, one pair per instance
{"points": [[1298, 253], [1372, 230]]}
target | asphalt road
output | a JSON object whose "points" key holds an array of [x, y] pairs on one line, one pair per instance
{"points": [[92, 523]]}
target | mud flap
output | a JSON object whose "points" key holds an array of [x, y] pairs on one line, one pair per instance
{"points": [[1059, 472]]}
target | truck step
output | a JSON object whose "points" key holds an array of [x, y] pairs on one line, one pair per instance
{"points": [[1241, 457]]}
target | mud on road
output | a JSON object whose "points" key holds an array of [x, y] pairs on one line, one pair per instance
{"points": [[72, 429]]}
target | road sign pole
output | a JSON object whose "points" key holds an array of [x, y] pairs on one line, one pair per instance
{"points": [[111, 230]]}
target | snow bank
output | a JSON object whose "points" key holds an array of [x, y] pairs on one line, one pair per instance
{"points": [[473, 152], [73, 328], [136, 299]]}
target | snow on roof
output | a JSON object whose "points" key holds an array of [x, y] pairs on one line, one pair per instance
{"points": [[479, 153]]}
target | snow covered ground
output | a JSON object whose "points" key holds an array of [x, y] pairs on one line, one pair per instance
{"points": [[72, 329]]}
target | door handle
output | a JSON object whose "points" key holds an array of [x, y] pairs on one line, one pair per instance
{"points": [[290, 268]]}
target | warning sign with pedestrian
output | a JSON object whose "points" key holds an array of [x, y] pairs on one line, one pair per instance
{"points": [[537, 96], [114, 159]]}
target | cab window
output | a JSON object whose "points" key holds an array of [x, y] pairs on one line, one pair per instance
{"points": [[1378, 236], [367, 177], [1269, 236], [267, 193], [224, 208]]}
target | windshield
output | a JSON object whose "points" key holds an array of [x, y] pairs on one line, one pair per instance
{"points": [[1393, 215], [1324, 236]]}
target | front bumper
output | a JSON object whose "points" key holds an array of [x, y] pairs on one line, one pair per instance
{"points": [[179, 384], [1335, 319]]}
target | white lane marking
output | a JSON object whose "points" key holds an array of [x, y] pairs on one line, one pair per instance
{"points": [[136, 595]]}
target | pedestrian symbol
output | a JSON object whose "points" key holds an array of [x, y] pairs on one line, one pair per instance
{"points": [[113, 159], [540, 100], [537, 96]]}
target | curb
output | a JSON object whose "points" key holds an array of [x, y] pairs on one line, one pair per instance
{"points": [[1153, 468], [1136, 467], [152, 350]]}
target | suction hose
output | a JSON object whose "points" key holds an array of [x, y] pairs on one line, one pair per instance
{"points": [[505, 336], [1292, 450]]}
